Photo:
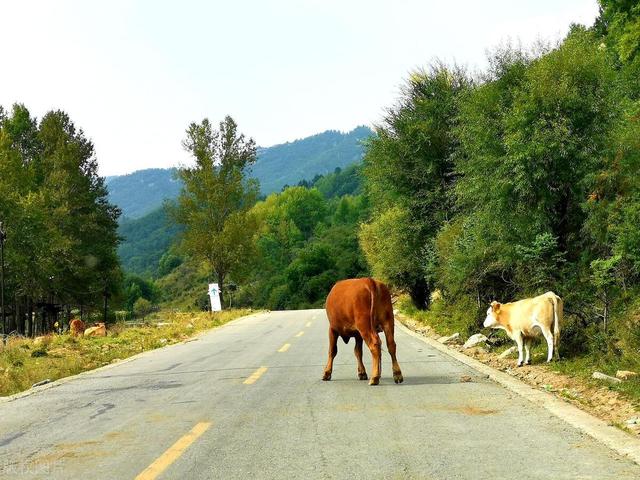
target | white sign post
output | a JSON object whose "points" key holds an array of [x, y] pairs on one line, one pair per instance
{"points": [[214, 295]]}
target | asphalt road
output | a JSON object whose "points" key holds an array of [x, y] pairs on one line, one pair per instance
{"points": [[239, 403]]}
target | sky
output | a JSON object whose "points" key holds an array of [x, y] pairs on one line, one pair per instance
{"points": [[134, 74]]}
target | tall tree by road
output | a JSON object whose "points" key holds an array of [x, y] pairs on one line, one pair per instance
{"points": [[61, 228], [217, 195], [409, 172]]}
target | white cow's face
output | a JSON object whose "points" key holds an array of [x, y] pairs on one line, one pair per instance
{"points": [[491, 321]]}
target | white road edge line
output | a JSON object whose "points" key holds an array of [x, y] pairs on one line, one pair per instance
{"points": [[613, 438]]}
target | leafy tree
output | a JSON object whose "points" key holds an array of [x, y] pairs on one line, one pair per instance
{"points": [[304, 244], [384, 242], [620, 19], [216, 197], [168, 263], [347, 181], [142, 307], [135, 287], [408, 167], [529, 142], [61, 227]]}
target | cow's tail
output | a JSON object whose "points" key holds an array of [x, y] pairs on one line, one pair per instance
{"points": [[557, 318], [372, 291]]}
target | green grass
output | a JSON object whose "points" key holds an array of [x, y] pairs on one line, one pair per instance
{"points": [[583, 366], [24, 361], [442, 317]]}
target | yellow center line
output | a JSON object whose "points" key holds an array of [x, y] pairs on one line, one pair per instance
{"points": [[308, 324], [173, 453], [300, 333], [255, 376], [284, 347]]}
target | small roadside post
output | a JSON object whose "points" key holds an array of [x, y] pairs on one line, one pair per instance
{"points": [[214, 296]]}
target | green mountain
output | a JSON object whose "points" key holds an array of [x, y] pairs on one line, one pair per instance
{"points": [[326, 161], [147, 239], [288, 163], [142, 192]]}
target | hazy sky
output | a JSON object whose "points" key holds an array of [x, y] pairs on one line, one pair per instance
{"points": [[133, 74]]}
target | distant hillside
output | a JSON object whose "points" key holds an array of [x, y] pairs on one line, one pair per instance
{"points": [[148, 238], [145, 240], [291, 162], [342, 181], [144, 191]]}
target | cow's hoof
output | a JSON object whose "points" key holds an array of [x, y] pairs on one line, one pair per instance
{"points": [[528, 362], [326, 377], [363, 376], [374, 381], [519, 364], [398, 378]]}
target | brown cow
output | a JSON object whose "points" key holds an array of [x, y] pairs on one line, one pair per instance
{"points": [[360, 308], [76, 327]]}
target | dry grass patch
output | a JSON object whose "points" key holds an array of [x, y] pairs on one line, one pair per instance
{"points": [[25, 361]]}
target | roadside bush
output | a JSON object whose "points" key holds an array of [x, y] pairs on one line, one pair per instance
{"points": [[142, 307]]}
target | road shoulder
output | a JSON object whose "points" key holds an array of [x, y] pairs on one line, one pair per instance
{"points": [[615, 439]]}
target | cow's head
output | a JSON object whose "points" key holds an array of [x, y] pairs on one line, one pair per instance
{"points": [[492, 315]]}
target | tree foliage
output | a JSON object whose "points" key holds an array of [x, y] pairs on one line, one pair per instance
{"points": [[216, 197], [62, 238], [521, 180], [408, 168], [304, 243]]}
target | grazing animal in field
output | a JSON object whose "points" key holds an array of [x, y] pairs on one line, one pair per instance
{"points": [[76, 327], [361, 308], [525, 319], [98, 331]]}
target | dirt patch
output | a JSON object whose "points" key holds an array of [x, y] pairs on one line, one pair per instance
{"points": [[601, 402], [76, 445], [470, 410]]}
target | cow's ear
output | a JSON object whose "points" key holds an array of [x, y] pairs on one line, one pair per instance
{"points": [[495, 306]]}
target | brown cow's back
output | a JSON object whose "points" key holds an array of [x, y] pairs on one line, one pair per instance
{"points": [[359, 297]]}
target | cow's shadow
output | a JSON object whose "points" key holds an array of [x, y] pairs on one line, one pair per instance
{"points": [[427, 380], [412, 381]]}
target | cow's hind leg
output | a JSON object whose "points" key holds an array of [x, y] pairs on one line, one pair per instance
{"points": [[391, 346], [519, 342], [548, 336], [362, 372], [373, 342], [527, 351], [333, 351]]}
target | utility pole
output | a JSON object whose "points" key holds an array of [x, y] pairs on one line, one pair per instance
{"points": [[3, 237]]}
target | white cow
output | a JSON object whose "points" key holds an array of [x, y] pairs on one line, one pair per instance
{"points": [[526, 319]]}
